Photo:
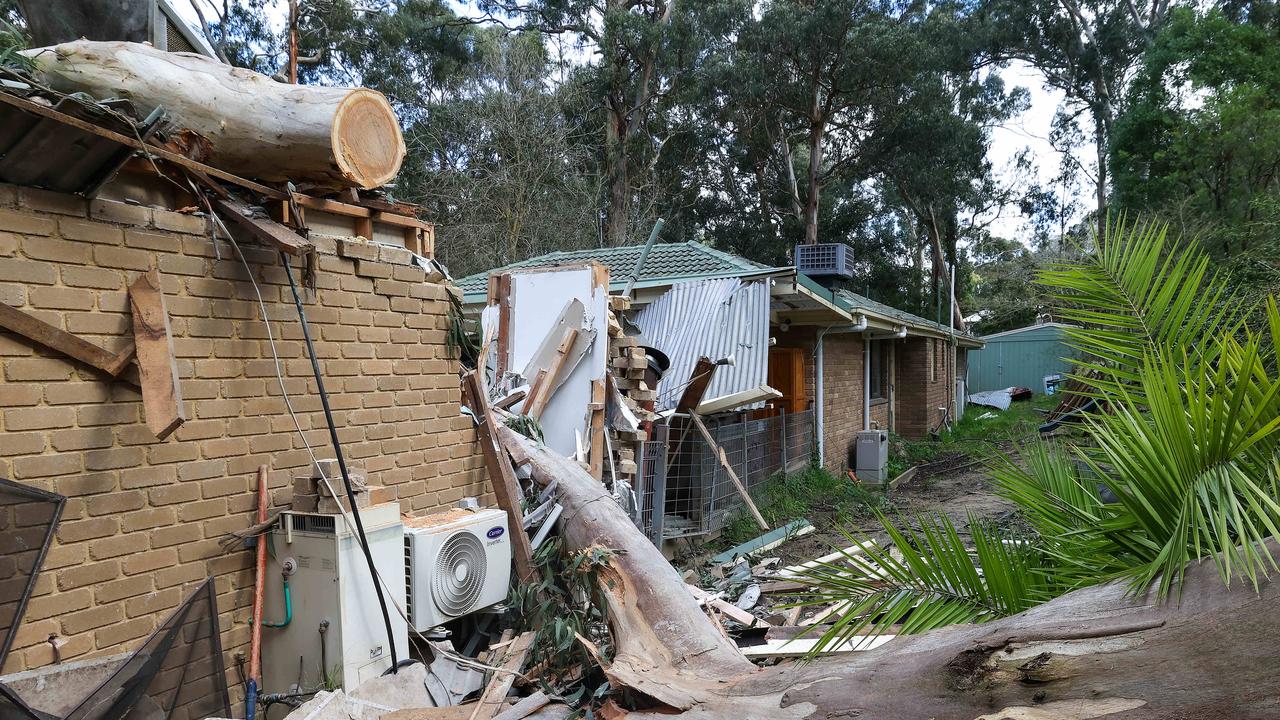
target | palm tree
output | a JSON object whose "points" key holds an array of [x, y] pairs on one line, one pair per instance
{"points": [[1188, 448]]}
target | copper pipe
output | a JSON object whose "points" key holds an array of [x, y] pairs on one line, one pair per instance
{"points": [[259, 585]]}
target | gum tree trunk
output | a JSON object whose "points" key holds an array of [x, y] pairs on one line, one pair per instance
{"points": [[252, 125], [1094, 653]]}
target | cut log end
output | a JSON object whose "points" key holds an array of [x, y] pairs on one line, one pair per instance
{"points": [[367, 143]]}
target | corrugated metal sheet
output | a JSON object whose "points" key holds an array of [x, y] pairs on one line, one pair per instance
{"points": [[712, 318], [46, 153]]}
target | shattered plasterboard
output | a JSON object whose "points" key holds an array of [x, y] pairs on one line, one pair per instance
{"points": [[537, 297]]}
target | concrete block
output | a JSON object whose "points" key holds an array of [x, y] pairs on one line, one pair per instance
{"points": [[57, 689]]}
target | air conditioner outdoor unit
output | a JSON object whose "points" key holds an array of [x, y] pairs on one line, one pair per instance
{"points": [[333, 633], [456, 562], [825, 259]]}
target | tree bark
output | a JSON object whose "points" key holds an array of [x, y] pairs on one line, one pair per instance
{"points": [[616, 214], [254, 126], [1100, 146], [1097, 652], [815, 184]]}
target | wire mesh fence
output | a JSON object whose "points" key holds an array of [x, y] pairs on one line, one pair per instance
{"points": [[686, 476]]}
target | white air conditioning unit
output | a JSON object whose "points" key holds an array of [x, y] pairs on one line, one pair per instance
{"points": [[336, 635], [456, 562]]}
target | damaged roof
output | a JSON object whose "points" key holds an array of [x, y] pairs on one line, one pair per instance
{"points": [[672, 263], [667, 264]]}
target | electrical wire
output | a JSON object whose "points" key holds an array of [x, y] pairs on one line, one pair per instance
{"points": [[342, 462], [346, 515]]}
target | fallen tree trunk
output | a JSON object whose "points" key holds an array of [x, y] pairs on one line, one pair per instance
{"points": [[1093, 653], [255, 126]]}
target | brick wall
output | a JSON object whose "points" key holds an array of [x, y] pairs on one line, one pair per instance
{"points": [[841, 389], [926, 370], [916, 393], [144, 517]]}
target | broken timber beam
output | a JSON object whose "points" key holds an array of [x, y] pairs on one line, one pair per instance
{"points": [[157, 366], [597, 452], [264, 229], [496, 692], [728, 468], [525, 707], [729, 610], [544, 385], [506, 489], [54, 338], [699, 381]]}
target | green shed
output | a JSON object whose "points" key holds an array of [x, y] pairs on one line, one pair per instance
{"points": [[1020, 358]]}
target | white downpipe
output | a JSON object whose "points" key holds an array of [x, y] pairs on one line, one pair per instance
{"points": [[819, 371], [822, 401], [866, 383]]}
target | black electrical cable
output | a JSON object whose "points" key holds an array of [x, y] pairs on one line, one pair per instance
{"points": [[342, 463]]}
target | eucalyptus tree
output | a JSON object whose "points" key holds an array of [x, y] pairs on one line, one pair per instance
{"points": [[642, 54], [1088, 50]]}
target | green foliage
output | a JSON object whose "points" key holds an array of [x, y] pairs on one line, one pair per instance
{"points": [[566, 604], [1183, 464], [975, 436], [12, 42], [461, 340], [1199, 139], [926, 578], [526, 425], [1139, 292], [812, 493]]}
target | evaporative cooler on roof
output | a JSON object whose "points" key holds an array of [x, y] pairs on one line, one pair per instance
{"points": [[825, 259]]}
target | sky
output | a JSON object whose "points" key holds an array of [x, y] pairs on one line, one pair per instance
{"points": [[1029, 130]]}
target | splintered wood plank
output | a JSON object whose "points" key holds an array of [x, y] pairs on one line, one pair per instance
{"points": [[500, 295], [264, 229], [597, 430], [54, 338], [545, 385], [728, 468], [525, 707], [157, 366], [493, 699], [699, 380], [506, 489]]}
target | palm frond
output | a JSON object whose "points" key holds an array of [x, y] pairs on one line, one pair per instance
{"points": [[924, 579], [1191, 456], [1136, 292], [1066, 511]]}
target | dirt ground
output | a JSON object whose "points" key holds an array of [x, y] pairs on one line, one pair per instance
{"points": [[955, 485]]}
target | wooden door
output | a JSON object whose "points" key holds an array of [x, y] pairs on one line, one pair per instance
{"points": [[786, 375]]}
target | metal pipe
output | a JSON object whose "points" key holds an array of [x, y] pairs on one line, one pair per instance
{"points": [[259, 588], [644, 256], [866, 384], [819, 414], [288, 603]]}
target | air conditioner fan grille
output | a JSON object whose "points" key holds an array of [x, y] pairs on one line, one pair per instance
{"points": [[459, 574]]}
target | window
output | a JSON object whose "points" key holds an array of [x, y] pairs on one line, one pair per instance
{"points": [[879, 350]]}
